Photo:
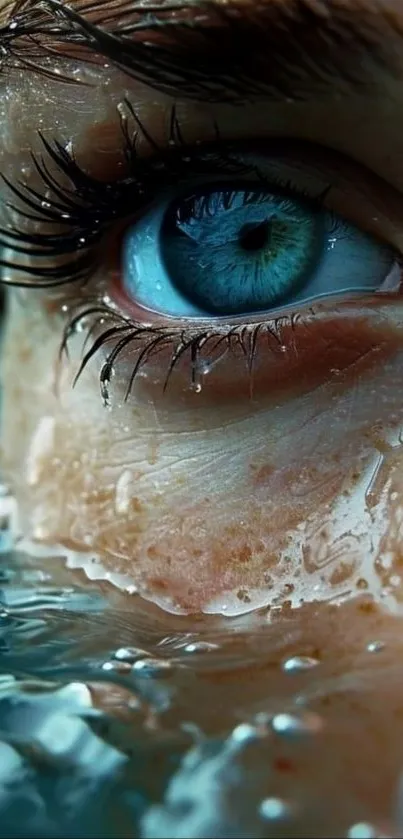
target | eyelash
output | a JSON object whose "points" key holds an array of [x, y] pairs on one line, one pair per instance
{"points": [[87, 208], [151, 339]]}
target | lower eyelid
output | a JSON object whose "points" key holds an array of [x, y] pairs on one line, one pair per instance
{"points": [[248, 368]]}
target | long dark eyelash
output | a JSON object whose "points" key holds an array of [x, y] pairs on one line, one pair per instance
{"points": [[82, 211], [79, 209], [198, 343]]}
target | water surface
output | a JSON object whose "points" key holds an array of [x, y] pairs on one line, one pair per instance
{"points": [[117, 719]]}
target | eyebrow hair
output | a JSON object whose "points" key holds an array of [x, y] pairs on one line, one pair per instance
{"points": [[211, 51]]}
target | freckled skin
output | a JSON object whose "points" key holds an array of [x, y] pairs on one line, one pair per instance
{"points": [[139, 486]]}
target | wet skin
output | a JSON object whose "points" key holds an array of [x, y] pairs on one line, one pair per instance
{"points": [[274, 486]]}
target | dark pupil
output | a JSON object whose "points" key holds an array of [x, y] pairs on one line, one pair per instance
{"points": [[253, 237]]}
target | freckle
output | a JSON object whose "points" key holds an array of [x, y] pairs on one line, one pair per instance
{"points": [[367, 608], [158, 584], [263, 474], [282, 764], [245, 554]]}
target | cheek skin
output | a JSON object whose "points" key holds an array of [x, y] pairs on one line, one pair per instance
{"points": [[201, 506]]}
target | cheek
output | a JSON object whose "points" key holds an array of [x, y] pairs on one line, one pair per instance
{"points": [[292, 502]]}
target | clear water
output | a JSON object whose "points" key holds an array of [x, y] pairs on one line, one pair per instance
{"points": [[119, 720]]}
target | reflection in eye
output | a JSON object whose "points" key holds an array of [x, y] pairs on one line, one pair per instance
{"points": [[232, 250]]}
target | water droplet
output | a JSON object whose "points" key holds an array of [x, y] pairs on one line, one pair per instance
{"points": [[292, 724], [375, 646], [196, 387], [150, 667], [201, 647], [362, 830], [244, 733], [77, 692], [298, 663], [123, 492], [130, 654], [273, 808], [117, 666]]}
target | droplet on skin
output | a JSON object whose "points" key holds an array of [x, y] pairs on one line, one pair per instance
{"points": [[297, 724], [152, 666], [200, 647], [69, 147], [375, 646], [41, 447], [244, 733], [117, 666], [123, 493], [196, 387], [273, 809], [130, 654], [299, 663], [77, 692]]}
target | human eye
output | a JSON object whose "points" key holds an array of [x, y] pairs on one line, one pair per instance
{"points": [[197, 244], [236, 248]]}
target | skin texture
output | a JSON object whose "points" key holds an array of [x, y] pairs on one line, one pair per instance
{"points": [[280, 495]]}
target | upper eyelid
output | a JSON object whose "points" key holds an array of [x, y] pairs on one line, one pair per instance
{"points": [[342, 171], [374, 199], [350, 180]]}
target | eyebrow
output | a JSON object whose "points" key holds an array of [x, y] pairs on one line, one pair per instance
{"points": [[213, 51]]}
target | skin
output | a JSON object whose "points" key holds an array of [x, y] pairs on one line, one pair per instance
{"points": [[278, 498]]}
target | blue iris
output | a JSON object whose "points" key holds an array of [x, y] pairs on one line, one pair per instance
{"points": [[235, 251], [232, 250]]}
